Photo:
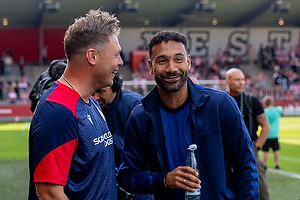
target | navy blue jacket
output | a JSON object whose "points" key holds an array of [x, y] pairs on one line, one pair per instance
{"points": [[117, 114], [225, 152]]}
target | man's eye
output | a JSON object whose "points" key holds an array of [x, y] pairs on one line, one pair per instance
{"points": [[179, 59], [161, 61]]}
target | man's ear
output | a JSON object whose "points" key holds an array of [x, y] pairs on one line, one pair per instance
{"points": [[150, 66], [90, 55], [189, 60]]}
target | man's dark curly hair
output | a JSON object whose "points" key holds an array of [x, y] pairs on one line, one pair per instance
{"points": [[165, 36]]}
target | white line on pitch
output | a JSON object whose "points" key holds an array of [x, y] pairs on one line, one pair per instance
{"points": [[289, 159], [289, 174], [283, 158]]}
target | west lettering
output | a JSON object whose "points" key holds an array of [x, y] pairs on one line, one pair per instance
{"points": [[280, 38], [238, 41], [198, 43]]}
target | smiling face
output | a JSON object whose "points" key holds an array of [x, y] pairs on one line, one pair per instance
{"points": [[108, 62], [169, 63]]}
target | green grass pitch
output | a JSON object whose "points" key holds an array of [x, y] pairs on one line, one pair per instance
{"points": [[282, 184]]}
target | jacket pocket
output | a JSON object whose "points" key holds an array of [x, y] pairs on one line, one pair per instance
{"points": [[199, 123]]}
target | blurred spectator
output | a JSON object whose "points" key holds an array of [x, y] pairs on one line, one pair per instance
{"points": [[197, 62], [24, 96], [24, 84], [297, 79], [295, 88], [12, 96], [16, 88], [284, 78], [248, 81], [262, 57], [8, 62], [211, 60], [45, 55], [237, 61], [277, 77], [250, 51], [261, 79], [2, 63], [1, 88], [21, 63], [214, 69], [8, 87]]}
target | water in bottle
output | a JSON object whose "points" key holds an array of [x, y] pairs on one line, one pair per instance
{"points": [[192, 162]]}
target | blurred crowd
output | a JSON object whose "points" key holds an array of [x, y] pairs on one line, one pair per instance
{"points": [[14, 88], [284, 65]]}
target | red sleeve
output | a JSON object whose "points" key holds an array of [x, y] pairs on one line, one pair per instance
{"points": [[54, 167]]}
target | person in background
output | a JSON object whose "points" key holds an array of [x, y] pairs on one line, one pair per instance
{"points": [[254, 116], [117, 104], [71, 153], [1, 88], [12, 96], [2, 66], [45, 80], [273, 113], [8, 62], [16, 86], [8, 87], [21, 64], [175, 114], [45, 54]]}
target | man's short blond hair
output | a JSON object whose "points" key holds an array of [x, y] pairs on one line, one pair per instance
{"points": [[86, 32]]}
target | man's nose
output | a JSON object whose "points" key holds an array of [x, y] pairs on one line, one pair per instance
{"points": [[120, 61], [171, 66]]}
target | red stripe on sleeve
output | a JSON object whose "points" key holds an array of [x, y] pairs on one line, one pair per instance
{"points": [[54, 167], [65, 96]]}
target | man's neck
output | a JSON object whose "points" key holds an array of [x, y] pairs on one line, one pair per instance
{"points": [[173, 100], [234, 94], [73, 83]]}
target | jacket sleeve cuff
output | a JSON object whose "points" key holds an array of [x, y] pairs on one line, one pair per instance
{"points": [[159, 181]]}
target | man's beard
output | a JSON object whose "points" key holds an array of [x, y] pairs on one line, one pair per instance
{"points": [[171, 86]]}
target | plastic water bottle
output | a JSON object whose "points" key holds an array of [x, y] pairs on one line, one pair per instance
{"points": [[192, 162]]}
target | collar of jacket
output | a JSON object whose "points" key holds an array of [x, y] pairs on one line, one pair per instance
{"points": [[197, 97], [150, 104]]}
